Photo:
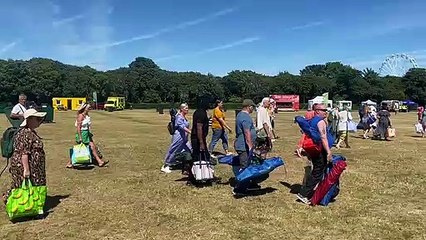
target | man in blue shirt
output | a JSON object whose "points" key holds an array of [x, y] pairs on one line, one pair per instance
{"points": [[244, 143]]}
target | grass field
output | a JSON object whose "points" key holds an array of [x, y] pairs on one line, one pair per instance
{"points": [[382, 191]]}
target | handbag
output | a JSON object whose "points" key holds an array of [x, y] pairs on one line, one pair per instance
{"points": [[202, 169], [26, 201], [391, 132], [81, 154]]}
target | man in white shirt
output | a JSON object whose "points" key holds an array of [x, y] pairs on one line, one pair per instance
{"points": [[19, 109], [263, 118]]}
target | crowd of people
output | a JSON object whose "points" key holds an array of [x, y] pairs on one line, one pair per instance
{"points": [[28, 159]]}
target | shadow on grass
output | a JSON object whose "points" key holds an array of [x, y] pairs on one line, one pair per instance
{"points": [[199, 184], [83, 167], [294, 188], [51, 203], [259, 192]]}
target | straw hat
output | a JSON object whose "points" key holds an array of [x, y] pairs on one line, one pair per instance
{"points": [[32, 113]]}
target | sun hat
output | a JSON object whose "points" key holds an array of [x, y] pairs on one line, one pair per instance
{"points": [[32, 113], [82, 106]]}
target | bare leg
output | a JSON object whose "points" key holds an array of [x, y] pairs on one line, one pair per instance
{"points": [[347, 140], [95, 154]]}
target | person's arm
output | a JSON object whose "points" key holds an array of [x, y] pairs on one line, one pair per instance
{"points": [[22, 143], [219, 117], [223, 123], [200, 136], [323, 131], [181, 124], [247, 135], [15, 113], [26, 166], [80, 119]]}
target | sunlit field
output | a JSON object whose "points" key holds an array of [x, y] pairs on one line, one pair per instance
{"points": [[382, 191]]}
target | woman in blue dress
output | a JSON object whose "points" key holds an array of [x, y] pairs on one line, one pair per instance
{"points": [[180, 141]]}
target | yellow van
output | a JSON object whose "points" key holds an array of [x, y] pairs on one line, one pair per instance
{"points": [[115, 103]]}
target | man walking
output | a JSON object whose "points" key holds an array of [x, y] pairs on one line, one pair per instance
{"points": [[244, 144], [319, 161], [263, 118]]}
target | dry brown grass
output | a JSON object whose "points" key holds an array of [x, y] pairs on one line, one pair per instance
{"points": [[383, 189]]}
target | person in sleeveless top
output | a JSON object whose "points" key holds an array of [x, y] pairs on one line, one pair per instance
{"points": [[83, 135]]}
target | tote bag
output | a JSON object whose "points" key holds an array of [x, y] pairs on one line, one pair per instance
{"points": [[81, 154], [26, 201]]}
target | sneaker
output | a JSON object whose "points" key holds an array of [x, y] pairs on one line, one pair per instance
{"points": [[166, 169], [254, 187], [303, 199]]}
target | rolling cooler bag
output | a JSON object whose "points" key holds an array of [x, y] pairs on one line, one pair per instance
{"points": [[202, 170]]}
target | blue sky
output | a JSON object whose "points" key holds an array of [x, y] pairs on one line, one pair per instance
{"points": [[214, 36]]}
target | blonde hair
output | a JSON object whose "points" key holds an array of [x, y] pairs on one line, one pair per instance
{"points": [[182, 106]]}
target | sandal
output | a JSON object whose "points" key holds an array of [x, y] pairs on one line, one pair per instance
{"points": [[69, 166], [104, 163]]}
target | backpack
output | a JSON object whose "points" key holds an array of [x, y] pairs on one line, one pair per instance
{"points": [[312, 138], [171, 124], [7, 142]]}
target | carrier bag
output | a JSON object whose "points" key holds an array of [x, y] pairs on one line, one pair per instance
{"points": [[26, 201], [81, 154]]}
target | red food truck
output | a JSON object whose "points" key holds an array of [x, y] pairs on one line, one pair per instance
{"points": [[286, 103]]}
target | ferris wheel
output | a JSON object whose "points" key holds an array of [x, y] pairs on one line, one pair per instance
{"points": [[397, 65]]}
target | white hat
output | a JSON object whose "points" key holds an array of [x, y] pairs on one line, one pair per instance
{"points": [[82, 106], [32, 113]]}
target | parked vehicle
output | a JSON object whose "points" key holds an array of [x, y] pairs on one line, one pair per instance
{"points": [[115, 103]]}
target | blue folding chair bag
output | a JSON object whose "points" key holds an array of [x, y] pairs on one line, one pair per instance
{"points": [[255, 171], [335, 189]]}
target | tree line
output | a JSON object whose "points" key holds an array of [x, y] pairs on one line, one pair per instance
{"points": [[144, 81]]}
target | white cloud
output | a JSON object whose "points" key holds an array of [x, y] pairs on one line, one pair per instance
{"points": [[8, 47], [230, 45], [60, 22], [179, 26], [213, 49], [308, 25]]}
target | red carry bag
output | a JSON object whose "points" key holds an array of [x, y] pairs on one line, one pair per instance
{"points": [[328, 181]]}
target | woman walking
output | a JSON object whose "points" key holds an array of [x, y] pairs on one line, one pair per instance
{"points": [[180, 141], [83, 125], [219, 127], [384, 123], [28, 159]]}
